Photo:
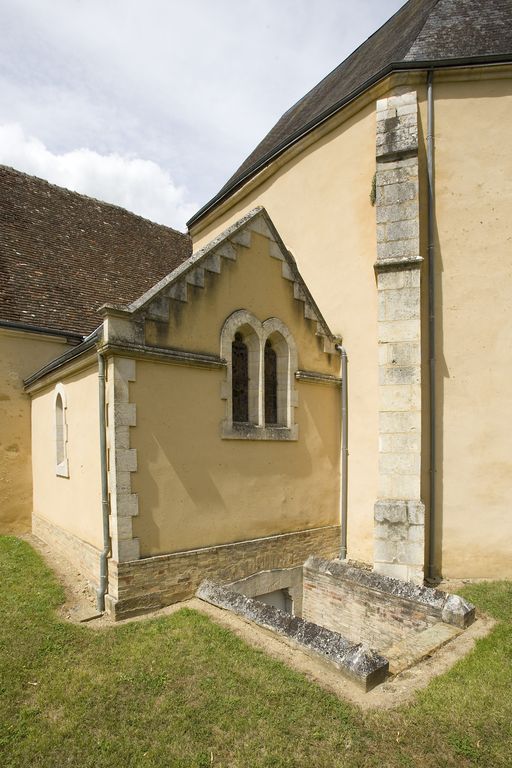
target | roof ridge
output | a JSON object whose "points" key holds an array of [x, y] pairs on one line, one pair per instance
{"points": [[90, 197]]}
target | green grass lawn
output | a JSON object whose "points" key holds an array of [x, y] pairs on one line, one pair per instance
{"points": [[182, 691]]}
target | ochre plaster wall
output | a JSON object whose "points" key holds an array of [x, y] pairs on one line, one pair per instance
{"points": [[253, 282], [72, 503], [319, 202], [473, 161], [21, 354], [196, 489]]}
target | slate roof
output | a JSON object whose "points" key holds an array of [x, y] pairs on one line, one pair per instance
{"points": [[421, 34], [63, 255]]}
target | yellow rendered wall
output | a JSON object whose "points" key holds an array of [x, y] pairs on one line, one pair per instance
{"points": [[319, 202], [196, 489], [473, 161], [72, 503], [21, 354], [252, 282]]}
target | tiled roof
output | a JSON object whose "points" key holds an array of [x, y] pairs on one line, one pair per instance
{"points": [[421, 33], [63, 255]]}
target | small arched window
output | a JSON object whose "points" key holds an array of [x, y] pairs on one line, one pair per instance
{"points": [[61, 433], [240, 379], [270, 384]]}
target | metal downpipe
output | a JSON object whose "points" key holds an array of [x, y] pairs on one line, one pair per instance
{"points": [[103, 585], [344, 452], [431, 324]]}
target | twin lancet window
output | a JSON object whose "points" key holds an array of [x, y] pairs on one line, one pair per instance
{"points": [[259, 388], [240, 381]]}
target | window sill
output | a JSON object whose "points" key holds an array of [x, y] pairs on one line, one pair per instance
{"points": [[255, 432]]}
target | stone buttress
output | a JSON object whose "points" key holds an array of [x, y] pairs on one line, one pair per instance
{"points": [[399, 513]]}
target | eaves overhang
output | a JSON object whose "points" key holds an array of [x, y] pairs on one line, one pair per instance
{"points": [[63, 360]]}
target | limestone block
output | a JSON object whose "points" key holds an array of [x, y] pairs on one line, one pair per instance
{"points": [[402, 229], [400, 443], [399, 192], [405, 397], [119, 437], [391, 531], [416, 512], [213, 263], [399, 330], [399, 422], [126, 459], [125, 414], [399, 486], [399, 463], [395, 173], [124, 550], [411, 552], [242, 237], [227, 251], [399, 304], [404, 353], [390, 280], [179, 291], [395, 570], [458, 611], [397, 374], [385, 550], [122, 482], [121, 527], [417, 532], [391, 511], [127, 505], [275, 251], [397, 249]]}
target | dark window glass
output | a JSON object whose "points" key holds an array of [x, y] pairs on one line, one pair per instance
{"points": [[240, 362], [270, 384]]}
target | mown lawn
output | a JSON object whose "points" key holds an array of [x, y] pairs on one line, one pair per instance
{"points": [[181, 691]]}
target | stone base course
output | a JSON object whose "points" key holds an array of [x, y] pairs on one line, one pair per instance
{"points": [[84, 556], [154, 582]]}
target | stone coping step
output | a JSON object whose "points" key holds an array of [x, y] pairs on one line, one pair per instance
{"points": [[361, 665], [417, 647]]}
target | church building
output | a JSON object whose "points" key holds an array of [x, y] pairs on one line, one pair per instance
{"points": [[320, 367]]}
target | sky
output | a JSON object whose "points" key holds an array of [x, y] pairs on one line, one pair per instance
{"points": [[153, 104]]}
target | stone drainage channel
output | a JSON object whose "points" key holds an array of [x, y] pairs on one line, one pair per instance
{"points": [[366, 625]]}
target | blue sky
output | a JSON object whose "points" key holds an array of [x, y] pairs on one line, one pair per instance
{"points": [[153, 105]]}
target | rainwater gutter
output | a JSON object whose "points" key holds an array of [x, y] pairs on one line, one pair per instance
{"points": [[431, 324], [105, 511], [344, 452]]}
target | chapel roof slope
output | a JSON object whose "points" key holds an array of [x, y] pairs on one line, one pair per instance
{"points": [[421, 34], [63, 255]]}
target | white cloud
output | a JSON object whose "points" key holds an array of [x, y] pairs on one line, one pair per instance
{"points": [[191, 86], [139, 185]]}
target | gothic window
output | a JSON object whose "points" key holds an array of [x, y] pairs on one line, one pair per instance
{"points": [[240, 379], [261, 360], [270, 384]]}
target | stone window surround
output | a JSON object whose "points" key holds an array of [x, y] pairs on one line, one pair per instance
{"points": [[255, 335], [61, 431]]}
